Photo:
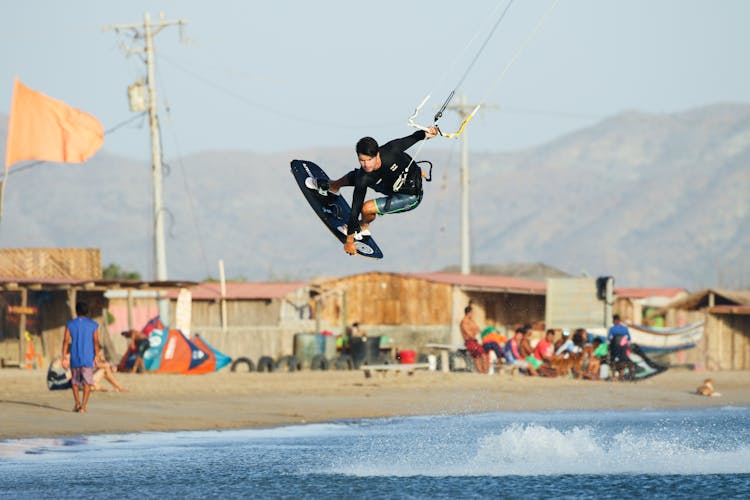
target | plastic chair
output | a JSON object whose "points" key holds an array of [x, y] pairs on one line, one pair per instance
{"points": [[33, 360]]}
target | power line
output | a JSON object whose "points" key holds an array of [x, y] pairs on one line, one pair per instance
{"points": [[188, 191], [484, 44], [268, 109]]}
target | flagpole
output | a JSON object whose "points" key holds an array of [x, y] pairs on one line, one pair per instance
{"points": [[2, 191], [8, 143]]}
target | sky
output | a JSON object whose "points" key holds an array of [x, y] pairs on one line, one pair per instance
{"points": [[291, 75]]}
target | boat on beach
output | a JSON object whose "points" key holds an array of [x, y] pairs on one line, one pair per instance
{"points": [[658, 341]]}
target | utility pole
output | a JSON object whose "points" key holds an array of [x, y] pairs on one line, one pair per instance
{"points": [[464, 110], [146, 32]]}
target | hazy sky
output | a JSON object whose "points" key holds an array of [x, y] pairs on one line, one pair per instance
{"points": [[273, 76]]}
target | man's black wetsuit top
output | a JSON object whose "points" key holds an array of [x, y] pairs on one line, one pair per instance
{"points": [[397, 174]]}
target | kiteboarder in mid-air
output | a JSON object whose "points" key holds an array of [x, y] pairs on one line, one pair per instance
{"points": [[386, 169]]}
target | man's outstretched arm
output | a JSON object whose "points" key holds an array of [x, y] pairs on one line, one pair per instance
{"points": [[405, 143]]}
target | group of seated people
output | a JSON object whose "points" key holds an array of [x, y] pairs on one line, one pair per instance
{"points": [[566, 356], [579, 355]]}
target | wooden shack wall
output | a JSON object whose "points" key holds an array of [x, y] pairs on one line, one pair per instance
{"points": [[691, 357], [255, 341], [725, 344], [240, 313], [385, 299], [630, 310], [47, 328], [506, 311], [255, 328], [45, 263]]}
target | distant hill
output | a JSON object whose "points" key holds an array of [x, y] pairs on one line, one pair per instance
{"points": [[537, 271], [652, 199]]}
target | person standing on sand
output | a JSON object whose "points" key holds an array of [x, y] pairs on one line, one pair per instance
{"points": [[82, 342]]}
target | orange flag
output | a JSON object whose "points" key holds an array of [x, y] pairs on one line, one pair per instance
{"points": [[43, 128]]}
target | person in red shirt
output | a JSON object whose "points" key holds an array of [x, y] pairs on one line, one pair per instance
{"points": [[545, 349], [545, 352]]}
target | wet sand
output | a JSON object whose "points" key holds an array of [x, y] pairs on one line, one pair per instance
{"points": [[228, 400]]}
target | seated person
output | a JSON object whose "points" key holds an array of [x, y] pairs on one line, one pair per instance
{"points": [[133, 358], [545, 353], [592, 361], [527, 351], [103, 369], [601, 349], [512, 353], [568, 358], [565, 336], [580, 337], [568, 344], [492, 347], [493, 341], [492, 334], [469, 332]]}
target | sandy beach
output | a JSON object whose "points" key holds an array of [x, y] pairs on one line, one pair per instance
{"points": [[228, 400]]}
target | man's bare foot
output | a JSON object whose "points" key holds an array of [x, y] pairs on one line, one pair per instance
{"points": [[82, 410]]}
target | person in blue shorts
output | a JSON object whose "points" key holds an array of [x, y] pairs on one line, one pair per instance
{"points": [[81, 341]]}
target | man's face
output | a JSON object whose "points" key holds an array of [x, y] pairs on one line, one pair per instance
{"points": [[369, 163]]}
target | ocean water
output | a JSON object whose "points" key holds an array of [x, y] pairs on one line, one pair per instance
{"points": [[565, 454]]}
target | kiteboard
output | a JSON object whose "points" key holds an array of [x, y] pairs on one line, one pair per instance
{"points": [[332, 209]]}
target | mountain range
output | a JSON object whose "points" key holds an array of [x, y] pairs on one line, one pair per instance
{"points": [[651, 199]]}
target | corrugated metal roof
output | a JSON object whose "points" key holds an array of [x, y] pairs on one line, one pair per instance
{"points": [[744, 310], [488, 281], [642, 293], [241, 290], [10, 283], [699, 300]]}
